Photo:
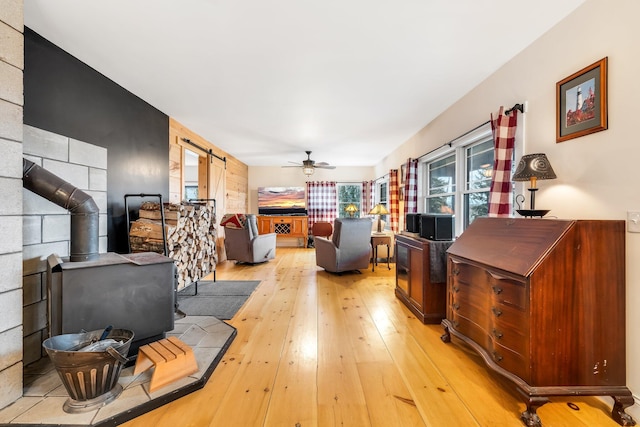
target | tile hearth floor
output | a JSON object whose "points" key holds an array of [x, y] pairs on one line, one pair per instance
{"points": [[44, 394]]}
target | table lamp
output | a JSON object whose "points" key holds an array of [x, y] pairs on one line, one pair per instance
{"points": [[351, 209], [533, 167], [379, 210]]}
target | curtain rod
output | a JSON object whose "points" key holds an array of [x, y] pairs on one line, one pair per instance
{"points": [[454, 139], [382, 177], [208, 151], [515, 107], [519, 107]]}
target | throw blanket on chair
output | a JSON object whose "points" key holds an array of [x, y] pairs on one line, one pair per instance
{"points": [[238, 221]]}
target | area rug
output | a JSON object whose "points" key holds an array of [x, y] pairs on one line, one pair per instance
{"points": [[221, 299]]}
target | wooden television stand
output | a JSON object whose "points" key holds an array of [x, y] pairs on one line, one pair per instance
{"points": [[285, 226]]}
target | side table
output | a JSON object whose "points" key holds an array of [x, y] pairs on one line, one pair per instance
{"points": [[376, 240]]}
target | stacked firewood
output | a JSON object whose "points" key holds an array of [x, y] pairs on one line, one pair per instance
{"points": [[190, 236], [145, 234]]}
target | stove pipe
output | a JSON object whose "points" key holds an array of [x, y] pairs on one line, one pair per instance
{"points": [[84, 211]]}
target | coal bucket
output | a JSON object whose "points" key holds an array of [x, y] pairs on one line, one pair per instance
{"points": [[90, 377]]}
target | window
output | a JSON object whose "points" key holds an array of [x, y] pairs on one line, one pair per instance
{"points": [[473, 164], [468, 161], [383, 199], [441, 185], [347, 194], [478, 170]]}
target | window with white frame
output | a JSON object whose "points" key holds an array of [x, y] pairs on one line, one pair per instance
{"points": [[349, 194], [382, 197], [467, 161], [478, 171], [441, 185]]}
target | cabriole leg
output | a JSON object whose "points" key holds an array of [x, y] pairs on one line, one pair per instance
{"points": [[529, 417], [446, 337], [618, 414]]}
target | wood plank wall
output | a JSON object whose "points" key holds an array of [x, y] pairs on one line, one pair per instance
{"points": [[230, 186]]}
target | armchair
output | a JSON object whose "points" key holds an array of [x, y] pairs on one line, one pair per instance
{"points": [[242, 241], [349, 247]]}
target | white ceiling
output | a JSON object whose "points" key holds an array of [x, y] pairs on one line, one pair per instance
{"points": [[350, 80]]}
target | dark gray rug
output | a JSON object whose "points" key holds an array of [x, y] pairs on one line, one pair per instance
{"points": [[221, 299]]}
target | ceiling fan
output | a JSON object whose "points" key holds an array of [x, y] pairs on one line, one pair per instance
{"points": [[309, 166]]}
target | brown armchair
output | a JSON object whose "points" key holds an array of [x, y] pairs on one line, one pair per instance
{"points": [[349, 247], [321, 228], [242, 241]]}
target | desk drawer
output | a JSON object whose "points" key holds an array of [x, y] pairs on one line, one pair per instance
{"points": [[510, 327], [509, 291], [470, 329], [513, 362]]}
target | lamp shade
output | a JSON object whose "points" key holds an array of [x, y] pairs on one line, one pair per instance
{"points": [[308, 170], [379, 209], [351, 209], [534, 166]]}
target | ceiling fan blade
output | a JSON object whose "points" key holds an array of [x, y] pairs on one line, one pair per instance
{"points": [[325, 166], [292, 166]]}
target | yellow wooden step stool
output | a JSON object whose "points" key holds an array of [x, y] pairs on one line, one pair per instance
{"points": [[171, 358]]}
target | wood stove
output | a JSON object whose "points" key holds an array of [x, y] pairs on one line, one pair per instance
{"points": [[89, 290], [130, 291]]}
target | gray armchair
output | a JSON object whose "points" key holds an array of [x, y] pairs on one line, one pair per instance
{"points": [[243, 243], [349, 247]]}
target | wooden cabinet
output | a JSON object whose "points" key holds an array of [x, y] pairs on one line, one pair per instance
{"points": [[265, 225], [543, 302], [285, 227], [421, 276]]}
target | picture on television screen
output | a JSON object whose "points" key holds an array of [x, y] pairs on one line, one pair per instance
{"points": [[283, 200]]}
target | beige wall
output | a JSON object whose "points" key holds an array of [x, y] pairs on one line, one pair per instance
{"points": [[596, 173]]}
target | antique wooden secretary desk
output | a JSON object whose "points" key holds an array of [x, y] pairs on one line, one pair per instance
{"points": [[543, 303]]}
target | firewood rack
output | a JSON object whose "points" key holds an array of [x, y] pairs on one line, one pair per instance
{"points": [[164, 231], [203, 202]]}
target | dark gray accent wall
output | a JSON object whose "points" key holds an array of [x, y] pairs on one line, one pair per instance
{"points": [[66, 96]]}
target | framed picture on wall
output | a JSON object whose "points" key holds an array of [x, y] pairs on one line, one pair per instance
{"points": [[581, 102]]}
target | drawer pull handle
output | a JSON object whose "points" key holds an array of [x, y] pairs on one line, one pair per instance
{"points": [[455, 271], [456, 323], [455, 306], [496, 290], [456, 289], [497, 333], [497, 357], [496, 311]]}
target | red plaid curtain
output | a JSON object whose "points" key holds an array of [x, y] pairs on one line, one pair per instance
{"points": [[394, 206], [411, 186], [368, 194], [504, 135], [322, 199]]}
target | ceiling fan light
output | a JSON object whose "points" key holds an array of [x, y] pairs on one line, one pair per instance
{"points": [[308, 171]]}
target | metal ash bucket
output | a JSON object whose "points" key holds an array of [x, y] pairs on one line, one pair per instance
{"points": [[90, 377]]}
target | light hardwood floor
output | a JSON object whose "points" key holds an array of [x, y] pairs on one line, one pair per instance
{"points": [[317, 349]]}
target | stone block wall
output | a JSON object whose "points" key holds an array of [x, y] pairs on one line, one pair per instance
{"points": [[11, 114], [46, 226]]}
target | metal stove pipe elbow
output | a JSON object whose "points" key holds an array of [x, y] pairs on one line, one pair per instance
{"points": [[83, 209]]}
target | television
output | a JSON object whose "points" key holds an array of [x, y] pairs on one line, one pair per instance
{"points": [[281, 201]]}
